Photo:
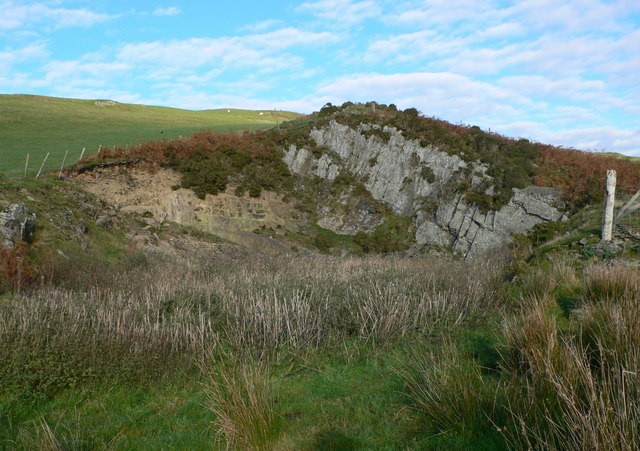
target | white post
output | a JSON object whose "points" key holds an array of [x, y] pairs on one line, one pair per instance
{"points": [[82, 154], [607, 223], [62, 165], [42, 165]]}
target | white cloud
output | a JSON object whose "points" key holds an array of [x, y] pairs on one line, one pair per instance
{"points": [[266, 51], [411, 47], [443, 13], [502, 30], [169, 11], [16, 15], [342, 12], [573, 15], [573, 88], [82, 72], [609, 139], [254, 62], [262, 26], [450, 96], [504, 108], [549, 55], [9, 58], [533, 36]]}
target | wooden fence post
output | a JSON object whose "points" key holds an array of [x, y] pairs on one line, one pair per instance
{"points": [[42, 165], [62, 165], [607, 223]]}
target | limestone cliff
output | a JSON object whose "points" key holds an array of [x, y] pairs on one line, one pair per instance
{"points": [[424, 183]]}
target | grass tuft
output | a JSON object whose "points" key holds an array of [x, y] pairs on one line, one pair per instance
{"points": [[239, 395]]}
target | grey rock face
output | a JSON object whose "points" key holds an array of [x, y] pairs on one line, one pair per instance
{"points": [[475, 232], [408, 177], [16, 225], [105, 221]]}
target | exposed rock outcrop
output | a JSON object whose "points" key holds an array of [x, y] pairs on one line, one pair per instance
{"points": [[154, 197], [16, 225], [424, 183]]}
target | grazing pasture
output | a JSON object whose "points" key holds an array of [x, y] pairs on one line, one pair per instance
{"points": [[38, 125]]}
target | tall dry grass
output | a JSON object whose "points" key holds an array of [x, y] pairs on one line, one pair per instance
{"points": [[570, 384], [239, 395], [616, 281], [449, 390], [577, 388], [145, 319]]}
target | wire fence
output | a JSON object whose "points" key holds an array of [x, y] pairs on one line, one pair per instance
{"points": [[627, 213], [39, 163]]}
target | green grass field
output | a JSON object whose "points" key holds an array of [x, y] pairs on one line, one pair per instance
{"points": [[37, 125]]}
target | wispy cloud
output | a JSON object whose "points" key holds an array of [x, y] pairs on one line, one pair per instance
{"points": [[262, 51], [10, 57], [341, 12], [17, 15], [411, 47], [262, 26], [238, 65], [168, 11], [447, 95], [442, 13]]}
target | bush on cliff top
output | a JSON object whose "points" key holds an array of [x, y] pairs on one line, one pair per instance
{"points": [[208, 161]]}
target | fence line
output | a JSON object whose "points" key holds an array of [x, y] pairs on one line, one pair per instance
{"points": [[29, 164], [629, 222]]}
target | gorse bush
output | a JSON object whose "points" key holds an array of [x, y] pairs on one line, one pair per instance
{"points": [[581, 175], [393, 235]]}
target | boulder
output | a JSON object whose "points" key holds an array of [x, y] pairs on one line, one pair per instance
{"points": [[16, 225]]}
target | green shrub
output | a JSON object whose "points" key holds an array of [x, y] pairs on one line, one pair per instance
{"points": [[427, 173], [391, 236], [378, 133]]}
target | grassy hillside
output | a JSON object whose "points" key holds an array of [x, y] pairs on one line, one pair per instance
{"points": [[37, 125], [109, 348]]}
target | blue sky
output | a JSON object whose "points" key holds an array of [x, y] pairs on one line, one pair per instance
{"points": [[565, 72]]}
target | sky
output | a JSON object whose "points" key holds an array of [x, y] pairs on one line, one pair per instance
{"points": [[564, 72]]}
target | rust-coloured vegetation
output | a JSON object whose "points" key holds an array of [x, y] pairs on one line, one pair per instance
{"points": [[210, 161], [16, 269], [581, 175]]}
